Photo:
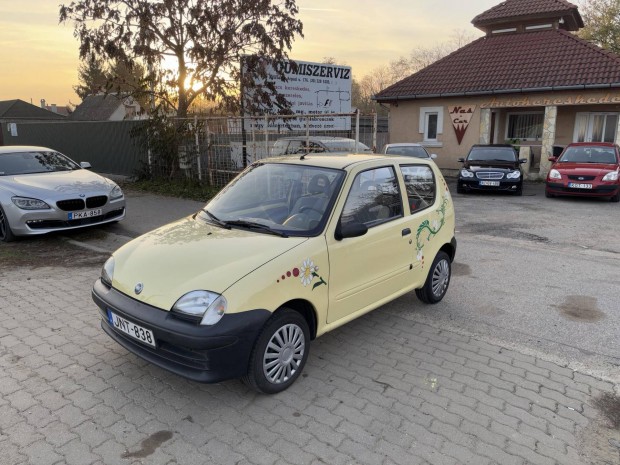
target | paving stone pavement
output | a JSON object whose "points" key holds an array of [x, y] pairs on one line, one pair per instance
{"points": [[381, 390]]}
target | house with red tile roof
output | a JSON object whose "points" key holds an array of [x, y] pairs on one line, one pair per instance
{"points": [[530, 81]]}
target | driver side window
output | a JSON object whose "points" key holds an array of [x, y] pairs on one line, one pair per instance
{"points": [[374, 198]]}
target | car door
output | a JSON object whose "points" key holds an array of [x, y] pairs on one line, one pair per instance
{"points": [[369, 269]]}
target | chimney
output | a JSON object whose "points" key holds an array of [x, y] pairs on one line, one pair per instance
{"points": [[43, 103], [54, 108]]}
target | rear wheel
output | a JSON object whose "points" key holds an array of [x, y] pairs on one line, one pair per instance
{"points": [[437, 281], [280, 353], [6, 235]]}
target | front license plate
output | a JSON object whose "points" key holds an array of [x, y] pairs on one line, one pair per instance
{"points": [[131, 329], [489, 183], [85, 214], [576, 185]]}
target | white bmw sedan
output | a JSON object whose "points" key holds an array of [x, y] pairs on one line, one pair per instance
{"points": [[42, 190]]}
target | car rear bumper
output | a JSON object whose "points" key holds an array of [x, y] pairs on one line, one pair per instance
{"points": [[207, 354], [601, 190]]}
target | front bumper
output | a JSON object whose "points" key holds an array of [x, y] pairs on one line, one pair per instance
{"points": [[474, 184], [207, 354], [598, 190]]}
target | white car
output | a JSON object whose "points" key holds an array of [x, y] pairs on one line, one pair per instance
{"points": [[409, 149], [317, 144], [42, 190]]}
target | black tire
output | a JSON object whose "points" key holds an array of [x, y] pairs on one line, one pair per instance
{"points": [[548, 194], [615, 198], [519, 190], [460, 189], [6, 235], [288, 331], [437, 281]]}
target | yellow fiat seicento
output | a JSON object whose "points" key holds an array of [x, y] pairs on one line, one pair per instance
{"points": [[291, 249]]}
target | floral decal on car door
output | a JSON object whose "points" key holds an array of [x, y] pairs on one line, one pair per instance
{"points": [[306, 273], [432, 228]]}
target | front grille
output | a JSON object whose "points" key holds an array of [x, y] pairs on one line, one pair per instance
{"points": [[581, 178], [96, 202], [490, 175], [70, 205]]}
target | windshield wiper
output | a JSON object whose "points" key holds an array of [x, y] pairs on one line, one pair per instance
{"points": [[255, 225], [215, 219]]}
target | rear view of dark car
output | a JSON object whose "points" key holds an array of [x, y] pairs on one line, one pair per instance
{"points": [[491, 167]]}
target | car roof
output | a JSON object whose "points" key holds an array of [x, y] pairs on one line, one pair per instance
{"points": [[590, 144], [342, 161], [404, 144], [492, 145], [319, 138], [23, 148]]}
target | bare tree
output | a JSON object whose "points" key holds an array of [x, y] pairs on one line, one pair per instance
{"points": [[190, 48], [602, 23]]}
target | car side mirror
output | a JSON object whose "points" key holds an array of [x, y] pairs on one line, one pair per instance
{"points": [[553, 159], [350, 229], [433, 156], [85, 165], [522, 160], [462, 160]]}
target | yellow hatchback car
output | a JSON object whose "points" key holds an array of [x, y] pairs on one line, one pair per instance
{"points": [[291, 249]]}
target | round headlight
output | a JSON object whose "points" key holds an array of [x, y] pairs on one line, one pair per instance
{"points": [[466, 173], [514, 175], [107, 272], [207, 307]]}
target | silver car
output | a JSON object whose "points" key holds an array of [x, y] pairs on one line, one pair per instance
{"points": [[42, 190], [408, 149]]}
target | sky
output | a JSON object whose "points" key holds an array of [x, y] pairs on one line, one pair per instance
{"points": [[40, 57]]}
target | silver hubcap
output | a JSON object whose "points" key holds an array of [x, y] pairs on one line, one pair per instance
{"points": [[284, 354], [441, 278]]}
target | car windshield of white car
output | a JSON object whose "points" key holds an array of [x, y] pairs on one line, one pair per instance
{"points": [[412, 151], [506, 154], [603, 155], [12, 164], [276, 198]]}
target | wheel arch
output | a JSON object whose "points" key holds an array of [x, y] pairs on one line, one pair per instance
{"points": [[450, 249], [306, 309]]}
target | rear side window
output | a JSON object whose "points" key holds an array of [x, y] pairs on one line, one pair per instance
{"points": [[374, 198], [421, 186]]}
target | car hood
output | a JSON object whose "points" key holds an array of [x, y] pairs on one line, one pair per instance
{"points": [[63, 182], [191, 255], [586, 169], [494, 165]]}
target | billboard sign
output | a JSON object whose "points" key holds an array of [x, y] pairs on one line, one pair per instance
{"points": [[312, 89]]}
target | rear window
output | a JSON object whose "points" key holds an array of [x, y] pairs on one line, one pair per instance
{"points": [[492, 154]]}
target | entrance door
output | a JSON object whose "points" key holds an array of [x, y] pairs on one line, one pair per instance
{"points": [[596, 127]]}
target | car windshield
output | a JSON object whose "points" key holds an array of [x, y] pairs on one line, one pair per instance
{"points": [[276, 198], [589, 154], [345, 145], [492, 154], [34, 162], [408, 150]]}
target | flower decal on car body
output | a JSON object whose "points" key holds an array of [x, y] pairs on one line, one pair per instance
{"points": [[306, 273], [432, 228]]}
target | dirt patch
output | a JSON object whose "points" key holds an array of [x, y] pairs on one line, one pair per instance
{"points": [[609, 406], [149, 445], [48, 251], [599, 442], [580, 308], [461, 269]]}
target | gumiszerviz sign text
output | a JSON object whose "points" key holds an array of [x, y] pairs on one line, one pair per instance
{"points": [[460, 117]]}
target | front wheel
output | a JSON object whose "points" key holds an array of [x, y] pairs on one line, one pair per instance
{"points": [[615, 198], [437, 281], [6, 235], [280, 353]]}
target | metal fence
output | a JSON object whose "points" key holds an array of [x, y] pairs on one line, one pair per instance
{"points": [[206, 149]]}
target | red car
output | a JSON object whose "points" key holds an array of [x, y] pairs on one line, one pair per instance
{"points": [[588, 169]]}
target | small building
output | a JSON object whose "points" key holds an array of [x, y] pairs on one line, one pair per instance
{"points": [[107, 107], [18, 110], [530, 81]]}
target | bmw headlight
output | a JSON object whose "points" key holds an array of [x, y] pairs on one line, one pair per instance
{"points": [[107, 272], [555, 174], [116, 193], [514, 175], [613, 176], [26, 203], [466, 173], [204, 306]]}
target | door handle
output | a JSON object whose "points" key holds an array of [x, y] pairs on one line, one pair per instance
{"points": [[406, 232]]}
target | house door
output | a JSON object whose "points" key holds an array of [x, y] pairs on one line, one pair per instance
{"points": [[596, 127]]}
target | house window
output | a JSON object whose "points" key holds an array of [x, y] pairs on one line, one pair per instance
{"points": [[525, 126], [431, 123], [595, 127]]}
